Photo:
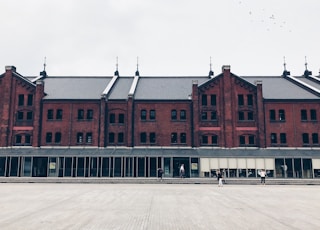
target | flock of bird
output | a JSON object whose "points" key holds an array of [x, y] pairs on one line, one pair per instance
{"points": [[268, 20]]}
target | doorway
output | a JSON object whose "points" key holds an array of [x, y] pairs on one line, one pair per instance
{"points": [[177, 162]]}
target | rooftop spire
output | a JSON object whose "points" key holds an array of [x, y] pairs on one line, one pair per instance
{"points": [[137, 72], [210, 72], [44, 64], [306, 72], [285, 72], [117, 72], [44, 73], [305, 62]]}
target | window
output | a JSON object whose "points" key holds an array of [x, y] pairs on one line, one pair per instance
{"points": [[111, 137], [273, 138], [79, 137], [152, 137], [20, 116], [204, 116], [143, 115], [80, 114], [240, 116], [89, 114], [272, 114], [89, 138], [204, 99], [282, 116], [315, 138], [214, 139], [112, 118], [152, 114], [251, 139], [305, 138], [174, 138], [213, 115], [204, 139], [183, 138], [183, 115], [57, 137], [18, 139], [283, 138], [213, 100], [173, 114], [48, 137], [50, 114], [250, 99], [250, 116], [240, 100], [21, 100], [59, 114], [27, 139], [121, 118], [29, 115], [143, 137], [30, 100], [304, 116], [313, 114], [120, 138], [242, 140]]}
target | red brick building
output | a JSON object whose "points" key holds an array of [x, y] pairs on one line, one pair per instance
{"points": [[129, 126]]}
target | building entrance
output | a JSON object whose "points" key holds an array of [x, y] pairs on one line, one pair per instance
{"points": [[177, 162]]}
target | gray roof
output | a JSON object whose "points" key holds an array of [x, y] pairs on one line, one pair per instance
{"points": [[168, 87], [281, 88], [165, 88], [313, 83], [79, 88], [121, 88]]}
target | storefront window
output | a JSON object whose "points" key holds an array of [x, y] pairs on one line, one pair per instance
{"points": [[53, 166], [194, 167], [242, 172], [167, 166], [105, 167], [281, 168], [2, 166], [68, 169], [307, 166], [252, 173]]}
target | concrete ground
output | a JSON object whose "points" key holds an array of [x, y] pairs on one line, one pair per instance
{"points": [[158, 206]]}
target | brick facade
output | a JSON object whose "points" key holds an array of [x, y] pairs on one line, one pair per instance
{"points": [[226, 111]]}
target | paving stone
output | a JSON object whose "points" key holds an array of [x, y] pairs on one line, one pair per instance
{"points": [[158, 206]]}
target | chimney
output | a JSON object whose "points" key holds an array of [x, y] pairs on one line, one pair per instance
{"points": [[11, 68], [226, 67]]}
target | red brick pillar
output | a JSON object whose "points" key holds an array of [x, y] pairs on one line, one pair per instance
{"points": [[36, 142], [261, 116], [130, 122], [228, 109], [6, 103], [195, 115], [102, 122]]}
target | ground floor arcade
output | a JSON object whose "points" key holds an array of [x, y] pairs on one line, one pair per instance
{"points": [[145, 163]]}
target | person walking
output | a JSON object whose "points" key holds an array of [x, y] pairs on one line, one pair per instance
{"points": [[181, 171], [160, 173], [263, 176], [220, 178]]}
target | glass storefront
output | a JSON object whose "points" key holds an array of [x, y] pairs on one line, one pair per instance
{"points": [[128, 166]]}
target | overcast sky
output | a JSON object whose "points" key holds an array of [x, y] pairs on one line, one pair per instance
{"points": [[169, 37]]}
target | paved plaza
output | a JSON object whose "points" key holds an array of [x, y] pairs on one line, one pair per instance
{"points": [[158, 206]]}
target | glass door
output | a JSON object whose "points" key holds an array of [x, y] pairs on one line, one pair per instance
{"points": [[53, 167]]}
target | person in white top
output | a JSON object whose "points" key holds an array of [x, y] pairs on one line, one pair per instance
{"points": [[263, 176], [181, 170]]}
